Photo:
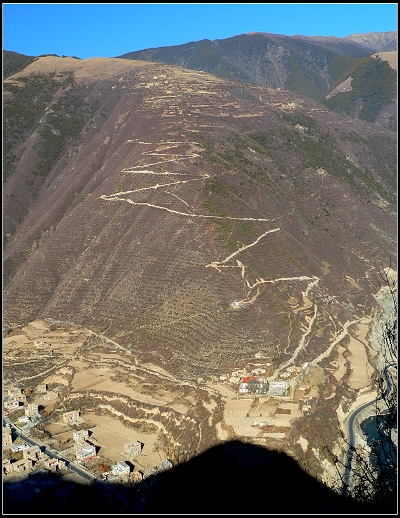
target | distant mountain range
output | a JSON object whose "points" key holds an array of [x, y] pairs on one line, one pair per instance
{"points": [[313, 66], [376, 41], [309, 66]]}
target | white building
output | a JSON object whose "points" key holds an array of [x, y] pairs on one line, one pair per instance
{"points": [[121, 468], [277, 388], [85, 452], [234, 379], [20, 447], [32, 410], [80, 435]]}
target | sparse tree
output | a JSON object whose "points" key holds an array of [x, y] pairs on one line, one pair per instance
{"points": [[178, 454], [104, 467]]}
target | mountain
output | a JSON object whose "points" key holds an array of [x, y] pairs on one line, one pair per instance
{"points": [[309, 66], [196, 220], [368, 91], [187, 226], [377, 41], [13, 62]]}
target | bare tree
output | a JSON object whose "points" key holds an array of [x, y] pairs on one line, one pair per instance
{"points": [[177, 453]]}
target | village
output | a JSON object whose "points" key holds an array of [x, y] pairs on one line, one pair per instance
{"points": [[249, 401], [83, 447]]}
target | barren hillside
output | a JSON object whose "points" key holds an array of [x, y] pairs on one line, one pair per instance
{"points": [[192, 216]]}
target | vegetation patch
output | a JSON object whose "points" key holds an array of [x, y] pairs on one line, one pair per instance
{"points": [[22, 112], [317, 154], [64, 124], [300, 119], [14, 62], [304, 81], [373, 83]]}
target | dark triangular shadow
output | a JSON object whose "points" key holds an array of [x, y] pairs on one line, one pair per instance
{"points": [[231, 478], [241, 478]]}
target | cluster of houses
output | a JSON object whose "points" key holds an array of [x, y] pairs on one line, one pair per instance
{"points": [[121, 472], [31, 455], [256, 382], [85, 448], [237, 376], [256, 385], [15, 399], [252, 382]]}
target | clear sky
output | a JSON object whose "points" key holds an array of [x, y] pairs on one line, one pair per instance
{"points": [[110, 30]]}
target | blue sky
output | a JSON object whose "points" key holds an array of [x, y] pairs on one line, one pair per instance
{"points": [[110, 30]]}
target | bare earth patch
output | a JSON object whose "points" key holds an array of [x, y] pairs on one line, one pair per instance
{"points": [[390, 57], [360, 367], [113, 435]]}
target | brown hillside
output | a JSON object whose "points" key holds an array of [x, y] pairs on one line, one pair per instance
{"points": [[192, 211]]}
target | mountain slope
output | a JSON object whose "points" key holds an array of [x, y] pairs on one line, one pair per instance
{"points": [[195, 220], [309, 66], [377, 41], [270, 60], [368, 91]]}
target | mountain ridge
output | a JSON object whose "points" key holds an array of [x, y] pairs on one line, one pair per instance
{"points": [[307, 65]]}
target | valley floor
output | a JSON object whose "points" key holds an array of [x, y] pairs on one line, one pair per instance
{"points": [[120, 401]]}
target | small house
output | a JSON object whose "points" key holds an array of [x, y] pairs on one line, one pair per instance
{"points": [[133, 448], [121, 468], [14, 391], [31, 410], [33, 453], [278, 388], [86, 452], [80, 435], [72, 417]]}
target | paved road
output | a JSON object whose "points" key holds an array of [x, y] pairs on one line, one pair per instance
{"points": [[351, 433], [352, 440], [50, 452]]}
